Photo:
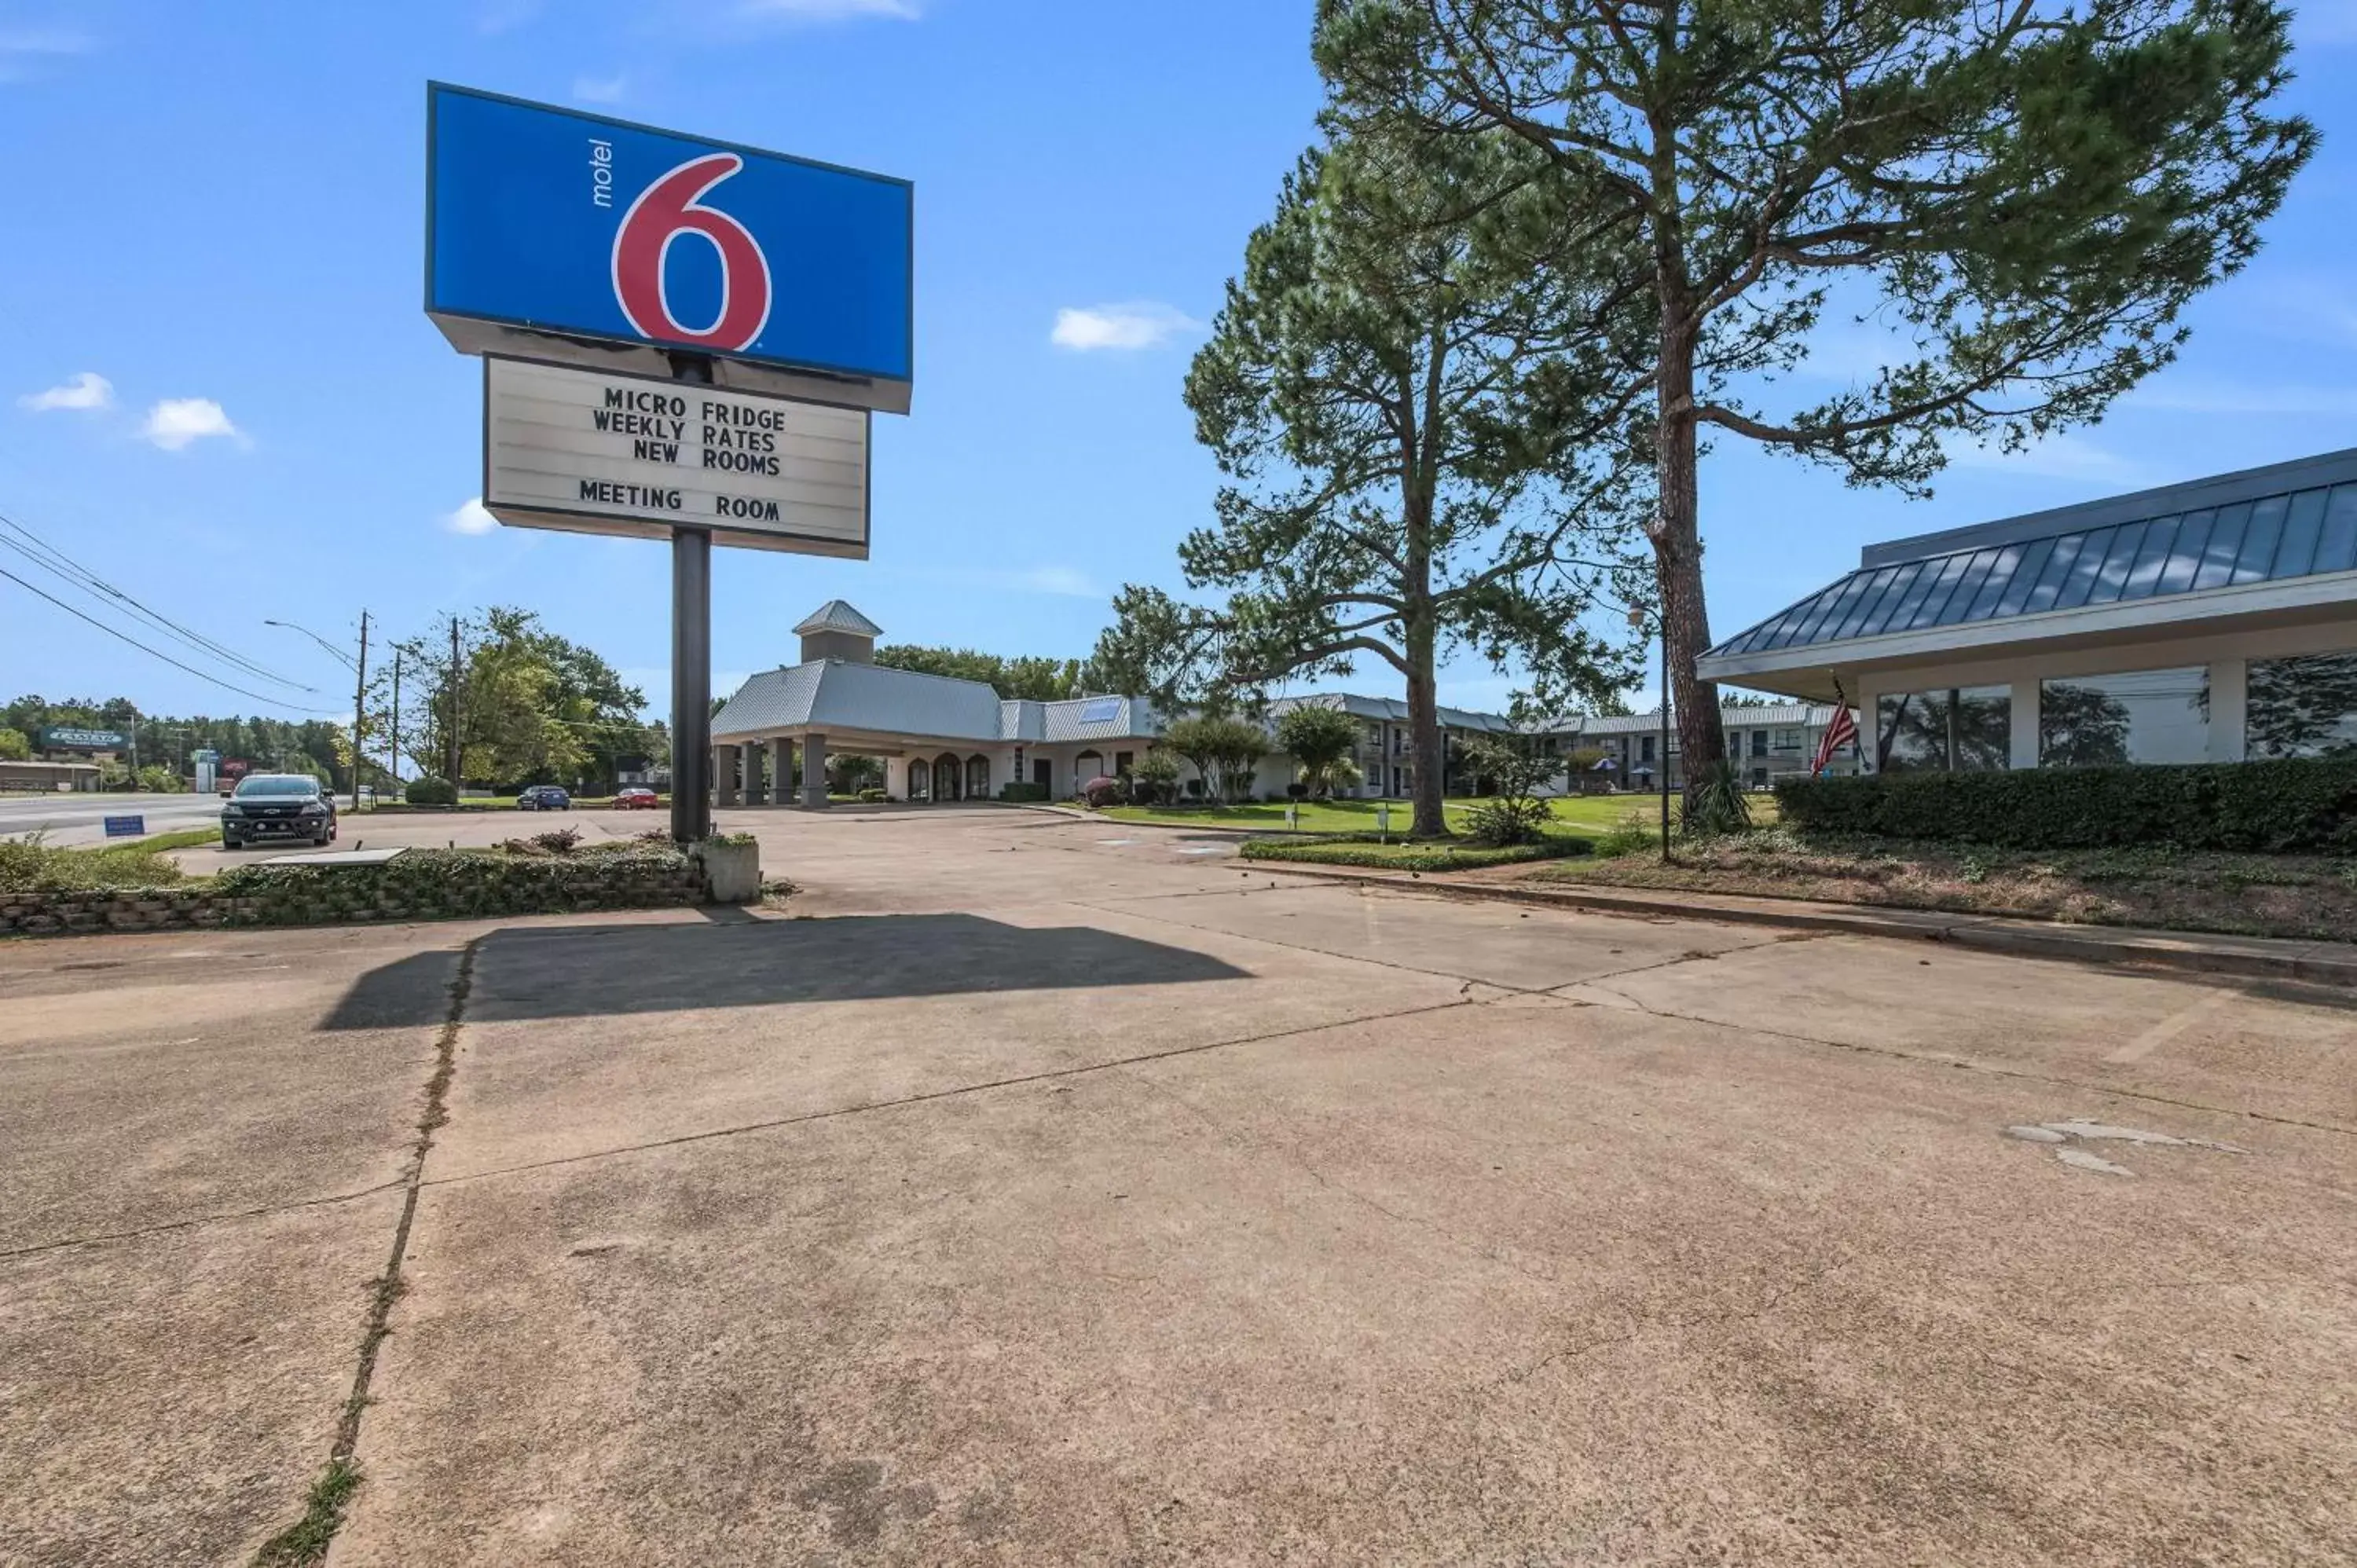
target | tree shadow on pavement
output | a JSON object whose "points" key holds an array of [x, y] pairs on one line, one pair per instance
{"points": [[594, 971]]}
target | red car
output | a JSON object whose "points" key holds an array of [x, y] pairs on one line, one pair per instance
{"points": [[637, 797]]}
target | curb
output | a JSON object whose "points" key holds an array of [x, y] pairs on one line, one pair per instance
{"points": [[2317, 963]]}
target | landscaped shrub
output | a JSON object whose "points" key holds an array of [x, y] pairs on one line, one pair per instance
{"points": [[871, 795], [1154, 781], [1022, 793], [1365, 849], [1102, 791], [445, 884], [29, 866], [1718, 805], [2276, 806], [431, 792], [1500, 819]]}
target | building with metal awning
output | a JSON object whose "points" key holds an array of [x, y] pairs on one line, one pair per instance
{"points": [[2208, 621]]}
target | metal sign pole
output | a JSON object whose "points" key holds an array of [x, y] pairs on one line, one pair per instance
{"points": [[690, 684]]}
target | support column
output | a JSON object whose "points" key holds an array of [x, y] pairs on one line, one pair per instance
{"points": [[751, 752], [2027, 697], [2230, 707], [724, 776], [778, 769], [813, 772]]}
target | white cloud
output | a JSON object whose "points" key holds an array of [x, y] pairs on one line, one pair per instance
{"points": [[21, 47], [88, 390], [829, 10], [471, 518], [1140, 323], [44, 42], [600, 89], [176, 421], [2056, 457], [1067, 581]]}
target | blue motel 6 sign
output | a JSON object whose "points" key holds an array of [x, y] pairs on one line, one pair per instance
{"points": [[569, 226]]}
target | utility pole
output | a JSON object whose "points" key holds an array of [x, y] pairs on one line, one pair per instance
{"points": [[392, 752], [359, 713], [451, 742]]}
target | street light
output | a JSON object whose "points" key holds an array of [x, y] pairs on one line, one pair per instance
{"points": [[314, 637], [360, 691]]}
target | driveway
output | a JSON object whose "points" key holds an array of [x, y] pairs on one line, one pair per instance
{"points": [[1039, 1191]]}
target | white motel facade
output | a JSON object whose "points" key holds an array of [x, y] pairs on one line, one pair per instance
{"points": [[2209, 621]]}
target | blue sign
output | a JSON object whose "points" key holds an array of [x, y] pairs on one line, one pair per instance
{"points": [[1101, 710], [559, 222], [126, 827]]}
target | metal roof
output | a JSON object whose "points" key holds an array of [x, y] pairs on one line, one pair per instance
{"points": [[1391, 709], [836, 615], [2263, 525], [834, 694]]}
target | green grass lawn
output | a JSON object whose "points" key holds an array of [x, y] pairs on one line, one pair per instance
{"points": [[1588, 814]]}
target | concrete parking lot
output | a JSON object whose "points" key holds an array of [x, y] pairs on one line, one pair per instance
{"points": [[1039, 1191]]}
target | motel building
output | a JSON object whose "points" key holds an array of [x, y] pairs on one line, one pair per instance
{"points": [[2203, 622], [941, 739]]}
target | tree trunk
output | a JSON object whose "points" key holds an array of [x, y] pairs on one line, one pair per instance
{"points": [[1427, 788], [1676, 536]]}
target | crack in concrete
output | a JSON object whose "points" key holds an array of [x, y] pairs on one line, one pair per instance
{"points": [[1692, 955], [1049, 1075], [168, 1227], [307, 1538], [1994, 1069]]}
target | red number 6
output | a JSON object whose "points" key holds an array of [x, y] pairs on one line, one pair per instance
{"points": [[663, 212]]}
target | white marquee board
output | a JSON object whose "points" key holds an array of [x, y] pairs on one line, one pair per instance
{"points": [[598, 452]]}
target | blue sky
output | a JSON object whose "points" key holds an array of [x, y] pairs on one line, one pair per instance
{"points": [[218, 388]]}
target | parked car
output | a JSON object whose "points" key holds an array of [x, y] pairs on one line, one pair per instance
{"points": [[637, 797], [544, 798], [278, 806]]}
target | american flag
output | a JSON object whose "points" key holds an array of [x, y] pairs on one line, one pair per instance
{"points": [[1839, 732]]}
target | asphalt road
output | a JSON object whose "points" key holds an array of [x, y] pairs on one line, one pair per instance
{"points": [[79, 818], [1040, 1192]]}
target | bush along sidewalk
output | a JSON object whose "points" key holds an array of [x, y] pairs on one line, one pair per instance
{"points": [[1370, 850], [422, 885], [2277, 806]]}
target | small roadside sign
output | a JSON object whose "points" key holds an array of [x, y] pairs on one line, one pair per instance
{"points": [[126, 827]]}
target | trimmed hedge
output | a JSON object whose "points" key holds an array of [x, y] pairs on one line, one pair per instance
{"points": [[430, 793], [1022, 793], [450, 884], [1367, 849], [2274, 806]]}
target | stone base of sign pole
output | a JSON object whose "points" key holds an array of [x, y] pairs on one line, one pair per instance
{"points": [[732, 868]]}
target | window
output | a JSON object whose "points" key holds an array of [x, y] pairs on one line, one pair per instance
{"points": [[2148, 715], [1760, 743], [1961, 730], [2302, 707], [1645, 750], [1790, 740]]}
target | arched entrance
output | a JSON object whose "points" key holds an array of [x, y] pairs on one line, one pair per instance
{"points": [[920, 779], [948, 774], [977, 779], [1088, 765]]}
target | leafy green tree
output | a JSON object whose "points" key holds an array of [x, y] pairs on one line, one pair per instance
{"points": [[1221, 747], [1516, 768], [1035, 679], [14, 747], [1154, 780], [2025, 196], [1415, 464], [1318, 739]]}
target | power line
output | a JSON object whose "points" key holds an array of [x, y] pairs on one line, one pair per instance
{"points": [[110, 631], [58, 564]]}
